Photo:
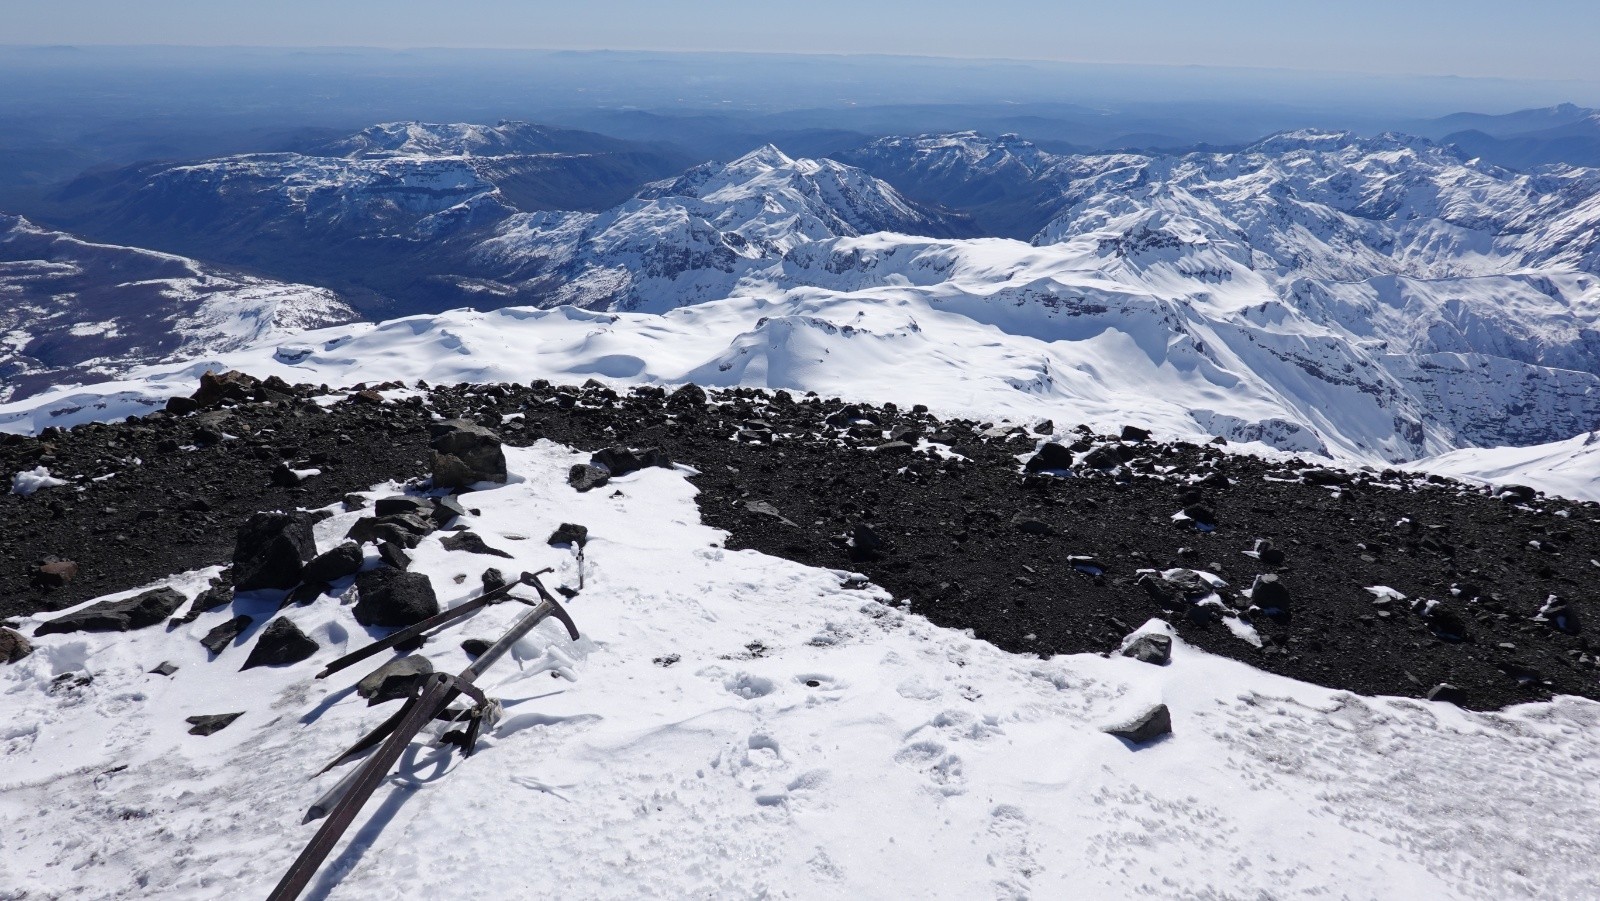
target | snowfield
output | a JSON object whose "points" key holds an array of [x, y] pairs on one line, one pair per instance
{"points": [[735, 725]]}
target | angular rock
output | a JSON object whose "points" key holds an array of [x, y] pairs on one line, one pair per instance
{"points": [[333, 565], [181, 406], [688, 397], [213, 598], [394, 679], [471, 543], [206, 724], [1134, 433], [164, 668], [493, 580], [1269, 593], [1150, 648], [420, 507], [394, 555], [1559, 615], [137, 612], [271, 549], [53, 573], [865, 544], [586, 477], [13, 645], [570, 533], [217, 640], [231, 385], [280, 643], [1050, 456], [618, 461], [465, 453], [1152, 724], [1201, 514], [1102, 458], [393, 598]]}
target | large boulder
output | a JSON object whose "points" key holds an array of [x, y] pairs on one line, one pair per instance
{"points": [[281, 643], [271, 550], [137, 612], [393, 598], [465, 453], [1152, 647]]}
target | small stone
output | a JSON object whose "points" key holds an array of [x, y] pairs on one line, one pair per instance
{"points": [[471, 543], [165, 668], [217, 640], [475, 647], [1030, 526], [53, 573], [395, 679], [493, 580], [586, 477], [570, 533], [1150, 648], [1269, 593], [281, 643], [1152, 724], [1050, 456], [209, 723], [13, 645]]}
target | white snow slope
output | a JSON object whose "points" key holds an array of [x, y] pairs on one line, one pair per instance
{"points": [[964, 356], [806, 741]]}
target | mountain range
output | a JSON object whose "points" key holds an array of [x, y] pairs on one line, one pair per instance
{"points": [[1379, 299]]}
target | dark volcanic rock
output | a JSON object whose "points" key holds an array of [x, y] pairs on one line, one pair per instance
{"points": [[280, 643], [1152, 724], [587, 477], [13, 645], [1134, 433], [208, 723], [271, 549], [1050, 456], [570, 533], [334, 564], [476, 646], [1269, 593], [1447, 693], [137, 612], [420, 507], [1150, 648], [394, 555], [465, 453], [471, 543], [395, 679], [217, 640], [393, 598]]}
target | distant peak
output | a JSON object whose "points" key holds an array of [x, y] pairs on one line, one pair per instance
{"points": [[765, 155]]}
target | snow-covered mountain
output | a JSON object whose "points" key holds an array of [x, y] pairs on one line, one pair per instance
{"points": [[78, 311], [1378, 300]]}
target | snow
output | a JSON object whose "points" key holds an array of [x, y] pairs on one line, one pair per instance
{"points": [[31, 480], [1568, 468], [806, 741]]}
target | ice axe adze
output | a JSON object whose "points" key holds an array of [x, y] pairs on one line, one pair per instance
{"points": [[431, 702]]}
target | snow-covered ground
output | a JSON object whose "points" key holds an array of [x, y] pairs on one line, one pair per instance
{"points": [[983, 358], [806, 741]]}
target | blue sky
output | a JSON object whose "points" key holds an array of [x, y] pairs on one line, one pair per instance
{"points": [[1542, 39]]}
